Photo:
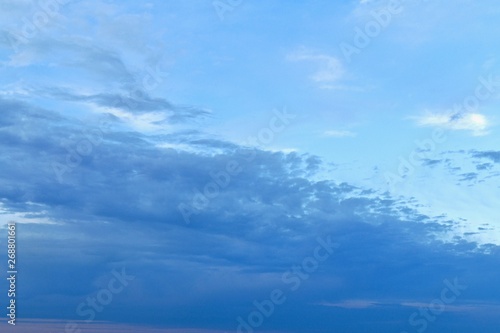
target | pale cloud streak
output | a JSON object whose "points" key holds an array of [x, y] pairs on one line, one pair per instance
{"points": [[339, 134], [365, 304], [330, 69], [351, 304], [476, 123]]}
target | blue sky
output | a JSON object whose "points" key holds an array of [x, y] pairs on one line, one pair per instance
{"points": [[188, 163]]}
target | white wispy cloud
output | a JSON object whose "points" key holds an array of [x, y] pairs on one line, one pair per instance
{"points": [[339, 134], [477, 123], [330, 69]]}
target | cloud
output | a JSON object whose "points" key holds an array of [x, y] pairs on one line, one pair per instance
{"points": [[491, 155], [330, 69], [135, 105], [339, 134], [239, 244], [351, 304], [470, 166], [431, 162], [476, 123], [383, 303]]}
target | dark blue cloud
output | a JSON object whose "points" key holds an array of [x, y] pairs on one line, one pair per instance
{"points": [[135, 100], [118, 207], [491, 155]]}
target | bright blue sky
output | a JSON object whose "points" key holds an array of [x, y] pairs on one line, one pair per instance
{"points": [[114, 114]]}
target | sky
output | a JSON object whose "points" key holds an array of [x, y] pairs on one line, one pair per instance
{"points": [[216, 166]]}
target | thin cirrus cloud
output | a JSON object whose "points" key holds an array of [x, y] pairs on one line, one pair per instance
{"points": [[330, 69], [476, 123], [339, 134]]}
